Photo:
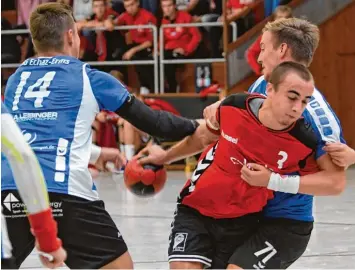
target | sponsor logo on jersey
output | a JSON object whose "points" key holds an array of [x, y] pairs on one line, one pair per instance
{"points": [[229, 138], [38, 116], [45, 61], [11, 202], [29, 137]]}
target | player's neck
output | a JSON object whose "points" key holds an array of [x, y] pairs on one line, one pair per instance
{"points": [[268, 120], [51, 54]]}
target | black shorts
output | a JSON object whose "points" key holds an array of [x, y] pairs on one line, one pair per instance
{"points": [[276, 245], [87, 231], [198, 238], [8, 263]]}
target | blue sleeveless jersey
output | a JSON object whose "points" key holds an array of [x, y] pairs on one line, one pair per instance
{"points": [[54, 101], [326, 126]]}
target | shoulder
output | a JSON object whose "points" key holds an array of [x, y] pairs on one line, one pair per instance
{"points": [[303, 132], [236, 100], [323, 118], [257, 84]]}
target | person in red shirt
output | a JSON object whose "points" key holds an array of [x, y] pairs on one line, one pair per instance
{"points": [[106, 43], [141, 47], [218, 208], [179, 42], [252, 54]]}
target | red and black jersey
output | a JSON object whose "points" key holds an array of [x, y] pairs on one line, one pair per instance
{"points": [[216, 188], [187, 38], [143, 17]]}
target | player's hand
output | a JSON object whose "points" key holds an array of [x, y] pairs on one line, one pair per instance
{"points": [[341, 154], [53, 259], [152, 154], [255, 175], [110, 155], [209, 113]]}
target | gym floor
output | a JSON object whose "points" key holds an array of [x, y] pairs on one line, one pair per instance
{"points": [[145, 225]]}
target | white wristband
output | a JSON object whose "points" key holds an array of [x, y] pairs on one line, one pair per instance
{"points": [[284, 183], [95, 153]]}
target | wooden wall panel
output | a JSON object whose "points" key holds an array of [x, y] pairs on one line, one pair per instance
{"points": [[333, 67]]}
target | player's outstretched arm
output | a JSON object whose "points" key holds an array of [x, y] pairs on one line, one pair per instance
{"points": [[32, 188], [156, 123], [189, 146]]}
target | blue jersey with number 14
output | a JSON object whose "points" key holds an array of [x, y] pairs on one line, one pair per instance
{"points": [[327, 128], [54, 101]]}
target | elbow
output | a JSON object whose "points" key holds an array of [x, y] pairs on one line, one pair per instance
{"points": [[339, 184]]}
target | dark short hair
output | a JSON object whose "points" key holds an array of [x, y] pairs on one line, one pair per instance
{"points": [[279, 73]]}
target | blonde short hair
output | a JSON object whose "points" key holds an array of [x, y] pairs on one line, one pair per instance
{"points": [[300, 35]]}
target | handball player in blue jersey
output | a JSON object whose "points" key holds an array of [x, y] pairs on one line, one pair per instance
{"points": [[288, 218], [54, 99], [30, 182]]}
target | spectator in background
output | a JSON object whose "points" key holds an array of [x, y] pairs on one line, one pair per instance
{"points": [[179, 42], [141, 47], [82, 9], [270, 6], [234, 8], [107, 43], [252, 53]]}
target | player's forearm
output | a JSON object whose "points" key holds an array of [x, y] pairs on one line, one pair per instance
{"points": [[191, 145], [25, 167], [156, 123], [323, 183]]}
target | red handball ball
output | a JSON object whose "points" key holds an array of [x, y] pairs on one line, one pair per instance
{"points": [[146, 180]]}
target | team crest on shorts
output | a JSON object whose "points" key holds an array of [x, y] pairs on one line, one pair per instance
{"points": [[180, 241]]}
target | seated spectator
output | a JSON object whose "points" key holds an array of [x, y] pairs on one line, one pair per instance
{"points": [[141, 47], [106, 43], [234, 8], [254, 50], [179, 42]]}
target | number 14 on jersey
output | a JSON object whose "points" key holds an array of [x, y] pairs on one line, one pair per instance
{"points": [[43, 84]]}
